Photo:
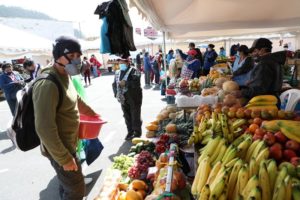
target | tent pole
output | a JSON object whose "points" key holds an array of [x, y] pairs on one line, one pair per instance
{"points": [[164, 57]]}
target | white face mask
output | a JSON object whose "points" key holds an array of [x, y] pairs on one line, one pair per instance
{"points": [[73, 68]]}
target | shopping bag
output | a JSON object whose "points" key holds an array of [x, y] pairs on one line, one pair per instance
{"points": [[186, 73], [93, 149]]}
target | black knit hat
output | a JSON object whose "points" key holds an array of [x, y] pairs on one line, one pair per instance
{"points": [[65, 45], [262, 43], [244, 49]]}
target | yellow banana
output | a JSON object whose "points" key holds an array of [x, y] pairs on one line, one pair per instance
{"points": [[232, 162], [252, 183], [224, 125], [206, 168], [217, 150], [231, 156], [220, 175], [263, 155], [242, 180], [279, 191], [242, 148], [264, 182], [251, 149], [253, 167], [205, 192], [240, 139], [213, 173], [263, 98], [254, 194], [202, 125], [288, 187], [196, 179], [217, 189], [233, 178], [220, 154], [223, 196], [261, 145], [272, 171], [280, 177]]}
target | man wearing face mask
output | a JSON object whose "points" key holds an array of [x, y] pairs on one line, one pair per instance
{"points": [[266, 77], [10, 83], [209, 59], [128, 91], [56, 127]]}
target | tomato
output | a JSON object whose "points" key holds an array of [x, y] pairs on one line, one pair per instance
{"points": [[253, 127], [257, 121]]}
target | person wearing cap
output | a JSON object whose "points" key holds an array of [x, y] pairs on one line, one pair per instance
{"points": [[31, 70], [266, 77], [242, 66], [57, 128], [10, 83], [127, 89], [209, 59], [193, 63]]}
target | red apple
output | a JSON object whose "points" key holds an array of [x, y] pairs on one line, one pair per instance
{"points": [[247, 113], [295, 161], [269, 138], [293, 145], [276, 151], [257, 137], [255, 113], [289, 154], [240, 114], [280, 137]]}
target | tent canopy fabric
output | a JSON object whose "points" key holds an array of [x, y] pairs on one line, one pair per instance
{"points": [[210, 18], [17, 40]]}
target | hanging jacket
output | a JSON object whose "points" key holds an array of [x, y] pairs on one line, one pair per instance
{"points": [[266, 77], [209, 59], [105, 43], [120, 33]]}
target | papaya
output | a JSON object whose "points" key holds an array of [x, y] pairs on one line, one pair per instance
{"points": [[152, 127], [138, 185], [264, 98], [132, 195]]}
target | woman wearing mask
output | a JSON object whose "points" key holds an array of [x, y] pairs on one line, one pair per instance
{"points": [[209, 59], [242, 66], [10, 84], [127, 89]]}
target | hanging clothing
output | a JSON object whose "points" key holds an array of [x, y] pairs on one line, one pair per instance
{"points": [[105, 44], [120, 30]]}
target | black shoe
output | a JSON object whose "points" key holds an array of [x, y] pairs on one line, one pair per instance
{"points": [[137, 134], [129, 136]]}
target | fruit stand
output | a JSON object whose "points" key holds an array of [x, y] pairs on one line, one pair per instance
{"points": [[239, 152]]}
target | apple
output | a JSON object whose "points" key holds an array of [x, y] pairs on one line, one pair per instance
{"points": [[240, 114], [257, 137], [280, 137], [289, 154], [293, 145], [247, 113], [257, 121], [276, 151], [295, 161], [255, 113], [269, 138], [260, 131]]}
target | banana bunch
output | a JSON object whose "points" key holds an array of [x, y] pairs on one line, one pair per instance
{"points": [[218, 125], [263, 102]]}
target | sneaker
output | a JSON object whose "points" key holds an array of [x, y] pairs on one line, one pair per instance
{"points": [[88, 181], [129, 136]]}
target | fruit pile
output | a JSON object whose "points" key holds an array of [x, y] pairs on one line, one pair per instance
{"points": [[243, 172], [137, 190], [123, 163], [143, 161], [164, 142], [194, 85]]}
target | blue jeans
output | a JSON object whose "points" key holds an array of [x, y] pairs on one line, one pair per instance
{"points": [[12, 105]]}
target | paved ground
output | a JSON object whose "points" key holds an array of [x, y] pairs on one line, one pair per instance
{"points": [[29, 176]]}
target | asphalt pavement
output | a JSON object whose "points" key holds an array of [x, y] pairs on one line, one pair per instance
{"points": [[29, 175]]}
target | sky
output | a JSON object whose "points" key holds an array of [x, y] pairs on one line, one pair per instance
{"points": [[79, 11]]}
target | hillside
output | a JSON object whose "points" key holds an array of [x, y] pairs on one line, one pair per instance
{"points": [[13, 12]]}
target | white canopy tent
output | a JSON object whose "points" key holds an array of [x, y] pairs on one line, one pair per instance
{"points": [[210, 18]]}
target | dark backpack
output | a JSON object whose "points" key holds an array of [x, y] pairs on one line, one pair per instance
{"points": [[22, 131]]}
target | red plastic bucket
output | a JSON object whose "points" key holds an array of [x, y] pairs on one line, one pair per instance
{"points": [[89, 127]]}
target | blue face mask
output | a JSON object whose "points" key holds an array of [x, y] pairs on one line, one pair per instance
{"points": [[123, 67]]}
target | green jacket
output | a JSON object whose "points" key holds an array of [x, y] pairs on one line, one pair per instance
{"points": [[58, 129]]}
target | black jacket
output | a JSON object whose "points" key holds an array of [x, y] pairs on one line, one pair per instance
{"points": [[245, 68], [119, 32], [266, 77]]}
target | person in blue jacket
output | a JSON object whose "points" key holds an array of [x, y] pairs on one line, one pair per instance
{"points": [[147, 69], [10, 83], [209, 59], [194, 64]]}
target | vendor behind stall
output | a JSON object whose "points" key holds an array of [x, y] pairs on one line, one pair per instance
{"points": [[243, 65], [210, 57], [266, 77], [193, 63]]}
